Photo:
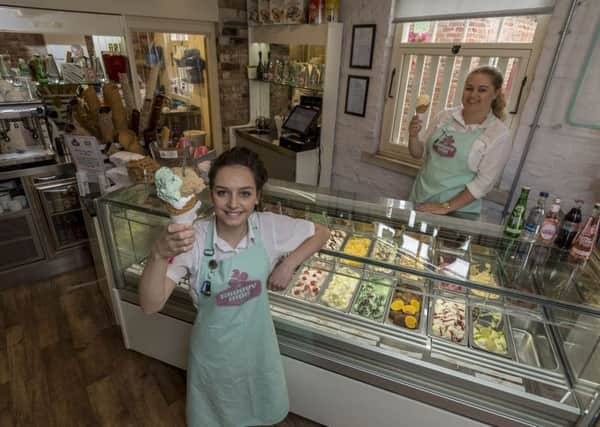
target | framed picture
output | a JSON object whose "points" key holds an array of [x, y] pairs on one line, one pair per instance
{"points": [[363, 39], [356, 95]]}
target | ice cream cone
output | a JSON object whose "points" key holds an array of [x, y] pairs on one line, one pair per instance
{"points": [[185, 214], [422, 104]]}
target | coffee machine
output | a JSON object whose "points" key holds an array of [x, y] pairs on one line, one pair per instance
{"points": [[22, 128]]}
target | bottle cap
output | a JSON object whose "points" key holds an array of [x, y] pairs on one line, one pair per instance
{"points": [[543, 194], [525, 188], [557, 200]]}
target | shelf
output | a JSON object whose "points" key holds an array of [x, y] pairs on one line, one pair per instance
{"points": [[65, 212], [307, 34], [286, 85]]}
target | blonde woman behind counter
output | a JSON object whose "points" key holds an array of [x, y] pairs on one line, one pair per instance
{"points": [[464, 149]]}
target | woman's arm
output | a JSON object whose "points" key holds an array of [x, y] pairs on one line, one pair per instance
{"points": [[283, 272], [460, 200], [155, 287]]}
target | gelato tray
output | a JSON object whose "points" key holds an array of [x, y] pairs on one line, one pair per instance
{"points": [[448, 320], [371, 299], [458, 245], [532, 343], [294, 213], [340, 289], [308, 282], [384, 251], [406, 307], [335, 242], [358, 246], [410, 262], [455, 266], [363, 227], [482, 271], [489, 331]]}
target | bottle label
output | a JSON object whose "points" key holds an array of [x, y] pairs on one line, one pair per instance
{"points": [[531, 228], [549, 230], [570, 227], [515, 222], [584, 247]]}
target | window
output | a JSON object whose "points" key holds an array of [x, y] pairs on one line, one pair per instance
{"points": [[434, 58]]}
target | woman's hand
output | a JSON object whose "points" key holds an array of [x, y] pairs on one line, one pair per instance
{"points": [[174, 240], [434, 208], [281, 276], [415, 126]]}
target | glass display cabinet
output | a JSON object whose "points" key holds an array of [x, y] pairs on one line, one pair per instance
{"points": [[444, 311]]}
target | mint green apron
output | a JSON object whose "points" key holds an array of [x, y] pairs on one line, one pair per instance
{"points": [[235, 372], [445, 172]]}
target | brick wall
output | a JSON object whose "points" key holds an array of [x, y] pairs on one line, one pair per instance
{"points": [[232, 51], [21, 45]]}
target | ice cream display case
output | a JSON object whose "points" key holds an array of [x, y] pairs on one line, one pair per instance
{"points": [[441, 310]]}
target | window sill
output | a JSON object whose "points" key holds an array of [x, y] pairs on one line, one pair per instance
{"points": [[386, 162], [390, 163]]}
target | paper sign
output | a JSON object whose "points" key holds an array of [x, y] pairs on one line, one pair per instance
{"points": [[86, 154]]}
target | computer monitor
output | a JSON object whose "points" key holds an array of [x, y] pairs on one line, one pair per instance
{"points": [[301, 120]]}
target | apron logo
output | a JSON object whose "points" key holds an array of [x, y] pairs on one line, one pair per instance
{"points": [[240, 290], [444, 146]]}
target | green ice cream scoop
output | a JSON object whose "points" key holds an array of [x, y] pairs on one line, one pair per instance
{"points": [[167, 185]]}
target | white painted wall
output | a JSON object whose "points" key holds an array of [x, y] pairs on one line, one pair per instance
{"points": [[356, 134], [563, 160], [202, 10]]}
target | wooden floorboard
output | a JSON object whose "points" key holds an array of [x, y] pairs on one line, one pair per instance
{"points": [[63, 363]]}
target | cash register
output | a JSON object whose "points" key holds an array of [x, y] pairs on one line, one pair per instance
{"points": [[300, 131]]}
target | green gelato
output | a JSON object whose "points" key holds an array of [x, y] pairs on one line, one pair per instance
{"points": [[167, 186]]}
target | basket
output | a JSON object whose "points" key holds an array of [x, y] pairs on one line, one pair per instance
{"points": [[142, 171]]}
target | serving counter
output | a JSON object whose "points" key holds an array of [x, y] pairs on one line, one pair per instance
{"points": [[401, 316]]}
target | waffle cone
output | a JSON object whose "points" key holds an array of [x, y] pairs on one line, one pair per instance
{"points": [[189, 205]]}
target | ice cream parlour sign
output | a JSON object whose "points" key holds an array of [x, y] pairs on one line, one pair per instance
{"points": [[86, 154]]}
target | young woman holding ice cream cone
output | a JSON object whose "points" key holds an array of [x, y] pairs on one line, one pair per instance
{"points": [[235, 374], [464, 150]]}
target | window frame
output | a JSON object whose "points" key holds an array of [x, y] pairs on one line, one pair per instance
{"points": [[401, 51]]}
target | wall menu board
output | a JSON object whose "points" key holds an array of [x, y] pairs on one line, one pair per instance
{"points": [[581, 112]]}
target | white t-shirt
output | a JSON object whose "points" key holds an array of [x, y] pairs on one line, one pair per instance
{"points": [[489, 153], [280, 235]]}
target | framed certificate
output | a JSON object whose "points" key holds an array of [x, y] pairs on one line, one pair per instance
{"points": [[363, 39], [357, 91]]}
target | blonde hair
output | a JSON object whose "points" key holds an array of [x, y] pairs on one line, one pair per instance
{"points": [[499, 103]]}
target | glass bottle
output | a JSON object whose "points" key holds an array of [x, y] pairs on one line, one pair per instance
{"points": [[313, 78], [260, 69], [301, 79], [278, 73], [267, 66], [332, 9], [569, 227], [285, 74], [584, 242], [271, 69], [514, 225], [535, 218], [551, 223], [40, 70]]}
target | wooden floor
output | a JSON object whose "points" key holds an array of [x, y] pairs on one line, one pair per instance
{"points": [[62, 363]]}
